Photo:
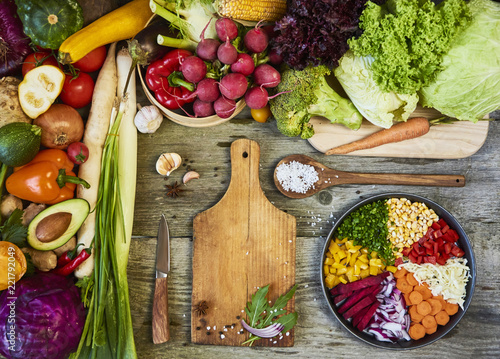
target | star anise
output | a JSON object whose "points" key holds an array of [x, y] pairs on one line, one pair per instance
{"points": [[201, 308], [174, 190]]}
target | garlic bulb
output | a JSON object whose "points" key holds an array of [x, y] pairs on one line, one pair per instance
{"points": [[148, 119], [189, 176], [167, 163]]}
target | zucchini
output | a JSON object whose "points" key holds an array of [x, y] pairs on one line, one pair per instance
{"points": [[120, 24], [19, 143], [49, 22]]}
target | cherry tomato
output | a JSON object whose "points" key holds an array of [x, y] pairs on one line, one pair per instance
{"points": [[37, 59], [92, 61], [261, 114], [78, 152], [77, 91]]}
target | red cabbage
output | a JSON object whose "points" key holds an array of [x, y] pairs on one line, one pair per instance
{"points": [[316, 32], [14, 44], [43, 318]]}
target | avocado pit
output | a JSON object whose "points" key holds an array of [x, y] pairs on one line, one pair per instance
{"points": [[53, 226]]}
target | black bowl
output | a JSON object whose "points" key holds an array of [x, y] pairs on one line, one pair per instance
{"points": [[463, 243]]}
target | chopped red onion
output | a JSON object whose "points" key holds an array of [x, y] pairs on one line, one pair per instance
{"points": [[267, 332]]}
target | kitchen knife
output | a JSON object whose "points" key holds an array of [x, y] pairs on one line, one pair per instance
{"points": [[161, 328]]}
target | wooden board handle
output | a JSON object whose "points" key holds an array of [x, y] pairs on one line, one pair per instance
{"points": [[161, 326], [400, 179], [245, 156]]}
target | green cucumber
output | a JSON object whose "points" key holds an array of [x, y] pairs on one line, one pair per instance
{"points": [[19, 143]]}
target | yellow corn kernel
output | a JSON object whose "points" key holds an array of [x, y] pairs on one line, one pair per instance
{"points": [[267, 10]]}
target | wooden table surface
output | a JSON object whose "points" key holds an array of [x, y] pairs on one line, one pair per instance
{"points": [[317, 333]]}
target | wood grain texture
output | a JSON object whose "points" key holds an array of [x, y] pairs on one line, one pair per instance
{"points": [[241, 244], [328, 177], [160, 325]]}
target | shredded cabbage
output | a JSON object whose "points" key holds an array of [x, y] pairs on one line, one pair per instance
{"points": [[448, 280]]}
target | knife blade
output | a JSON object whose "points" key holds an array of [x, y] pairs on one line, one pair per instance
{"points": [[161, 327]]}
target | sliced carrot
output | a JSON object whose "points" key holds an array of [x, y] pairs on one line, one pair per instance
{"points": [[400, 273], [410, 278], [403, 286], [407, 299], [415, 297], [416, 331], [429, 321], [424, 308], [414, 315], [431, 330], [436, 305], [441, 300], [451, 308], [442, 318], [424, 290]]}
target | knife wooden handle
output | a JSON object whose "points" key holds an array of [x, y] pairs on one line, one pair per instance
{"points": [[161, 326]]}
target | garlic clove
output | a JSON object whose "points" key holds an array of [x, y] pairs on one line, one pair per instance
{"points": [[189, 176], [148, 119], [167, 163]]}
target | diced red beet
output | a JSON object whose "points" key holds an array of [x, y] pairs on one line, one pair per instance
{"points": [[368, 315], [366, 301], [360, 284], [357, 318], [357, 296]]}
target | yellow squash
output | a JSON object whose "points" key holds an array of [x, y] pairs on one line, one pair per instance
{"points": [[120, 24]]}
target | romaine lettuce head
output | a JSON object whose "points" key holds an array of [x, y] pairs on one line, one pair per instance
{"points": [[469, 86], [379, 107]]}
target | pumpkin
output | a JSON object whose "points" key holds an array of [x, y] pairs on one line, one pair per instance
{"points": [[49, 22]]}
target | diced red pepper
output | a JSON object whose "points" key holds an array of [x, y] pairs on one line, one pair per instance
{"points": [[437, 234], [453, 234], [447, 237], [445, 229], [429, 251], [436, 248], [398, 261], [412, 257], [442, 222], [406, 251], [447, 248], [419, 259], [431, 259], [427, 244], [457, 252], [425, 259], [436, 226], [445, 256], [441, 261]]}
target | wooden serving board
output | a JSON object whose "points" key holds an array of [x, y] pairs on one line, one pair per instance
{"points": [[241, 244], [446, 141]]}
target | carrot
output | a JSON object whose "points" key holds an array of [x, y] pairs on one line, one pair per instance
{"points": [[451, 308], [414, 315], [410, 278], [403, 286], [442, 317], [435, 305], [429, 321], [416, 331], [415, 297], [424, 308], [424, 290], [414, 127], [407, 299], [400, 273], [431, 330]]}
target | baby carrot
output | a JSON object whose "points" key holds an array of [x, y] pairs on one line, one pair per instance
{"points": [[442, 317], [414, 127], [424, 308]]}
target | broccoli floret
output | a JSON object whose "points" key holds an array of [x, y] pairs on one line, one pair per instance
{"points": [[310, 95]]}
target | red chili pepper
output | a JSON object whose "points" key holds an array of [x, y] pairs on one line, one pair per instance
{"points": [[67, 256], [70, 267], [164, 78]]}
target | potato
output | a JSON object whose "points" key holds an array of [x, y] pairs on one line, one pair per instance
{"points": [[10, 108]]}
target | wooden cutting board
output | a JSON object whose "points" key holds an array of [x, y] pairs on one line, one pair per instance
{"points": [[241, 244], [446, 141]]}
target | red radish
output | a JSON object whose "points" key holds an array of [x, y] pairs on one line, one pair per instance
{"points": [[244, 64], [266, 75], [78, 152], [193, 69], [257, 97], [207, 48], [224, 107], [207, 90], [274, 57], [202, 108], [233, 85], [227, 53], [226, 28], [256, 40]]}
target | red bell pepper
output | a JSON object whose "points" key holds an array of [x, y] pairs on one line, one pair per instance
{"points": [[164, 78]]}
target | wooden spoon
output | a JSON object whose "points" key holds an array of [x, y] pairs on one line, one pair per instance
{"points": [[330, 177]]}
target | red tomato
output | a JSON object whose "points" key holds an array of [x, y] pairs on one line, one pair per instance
{"points": [[92, 61], [77, 91], [37, 59]]}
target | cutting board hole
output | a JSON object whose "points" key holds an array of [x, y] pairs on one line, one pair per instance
{"points": [[245, 154]]}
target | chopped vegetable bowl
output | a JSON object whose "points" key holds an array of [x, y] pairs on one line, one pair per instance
{"points": [[369, 285]]}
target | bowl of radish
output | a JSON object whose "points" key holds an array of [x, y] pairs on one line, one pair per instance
{"points": [[414, 288]]}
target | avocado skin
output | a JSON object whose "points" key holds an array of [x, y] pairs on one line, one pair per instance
{"points": [[78, 207]]}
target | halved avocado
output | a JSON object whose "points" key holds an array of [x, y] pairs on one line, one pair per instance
{"points": [[55, 225]]}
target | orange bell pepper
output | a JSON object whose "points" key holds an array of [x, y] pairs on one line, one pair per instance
{"points": [[48, 178]]}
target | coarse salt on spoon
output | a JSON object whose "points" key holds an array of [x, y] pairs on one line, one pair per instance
{"points": [[329, 177]]}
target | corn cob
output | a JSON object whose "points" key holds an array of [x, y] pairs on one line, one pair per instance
{"points": [[252, 10]]}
